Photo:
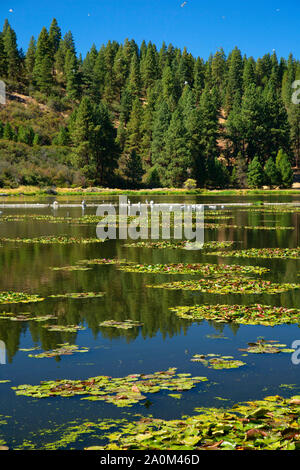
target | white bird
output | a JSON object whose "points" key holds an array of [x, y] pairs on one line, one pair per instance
{"points": [[54, 205], [11, 10], [83, 203], [183, 4]]}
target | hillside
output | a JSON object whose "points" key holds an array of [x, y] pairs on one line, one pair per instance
{"points": [[139, 116]]}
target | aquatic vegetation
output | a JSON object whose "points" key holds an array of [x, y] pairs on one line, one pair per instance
{"points": [[11, 297], [24, 316], [267, 227], [48, 240], [101, 261], [177, 244], [228, 285], [212, 361], [66, 328], [217, 336], [247, 227], [4, 381], [65, 349], [196, 268], [269, 424], [71, 268], [255, 314], [273, 209], [78, 295], [121, 392], [125, 325], [285, 253], [261, 346]]}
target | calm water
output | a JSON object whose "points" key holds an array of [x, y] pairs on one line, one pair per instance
{"points": [[163, 341]]}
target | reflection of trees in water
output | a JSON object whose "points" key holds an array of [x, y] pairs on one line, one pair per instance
{"points": [[26, 267]]}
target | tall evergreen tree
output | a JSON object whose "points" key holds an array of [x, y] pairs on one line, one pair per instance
{"points": [[42, 71], [177, 152], [3, 59], [30, 58], [255, 175], [11, 51]]}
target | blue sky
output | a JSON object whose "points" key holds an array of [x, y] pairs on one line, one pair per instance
{"points": [[256, 27]]}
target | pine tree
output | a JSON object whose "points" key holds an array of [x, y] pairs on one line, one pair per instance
{"points": [[272, 176], [177, 152], [8, 132], [217, 174], [149, 67], [72, 76], [134, 79], [161, 122], [170, 88], [134, 133], [25, 135], [98, 76], [219, 69], [294, 121], [209, 126], [30, 58], [255, 175], [63, 136], [277, 128], [54, 37], [42, 72], [3, 59], [82, 129], [93, 136], [120, 72], [235, 78], [284, 168], [199, 71], [105, 151], [249, 73], [134, 170], [186, 69], [11, 51]]}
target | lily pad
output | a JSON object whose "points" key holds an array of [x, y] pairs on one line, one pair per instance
{"points": [[228, 285], [125, 325], [254, 314], [121, 392], [196, 268]]}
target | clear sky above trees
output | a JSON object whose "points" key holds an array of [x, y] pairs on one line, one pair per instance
{"points": [[256, 27]]}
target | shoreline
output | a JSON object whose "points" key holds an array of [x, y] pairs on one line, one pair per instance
{"points": [[46, 192]]}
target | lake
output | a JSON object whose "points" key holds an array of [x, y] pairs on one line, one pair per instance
{"points": [[162, 340]]}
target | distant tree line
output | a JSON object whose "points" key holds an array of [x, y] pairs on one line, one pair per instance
{"points": [[141, 115]]}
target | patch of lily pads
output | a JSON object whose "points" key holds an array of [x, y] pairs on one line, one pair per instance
{"points": [[174, 244], [254, 314], [100, 261], [247, 227], [11, 297], [78, 295], [196, 268], [49, 240], [228, 285], [65, 349], [284, 253], [65, 328], [261, 346], [71, 268], [268, 424], [124, 325], [24, 316], [215, 361], [122, 392]]}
